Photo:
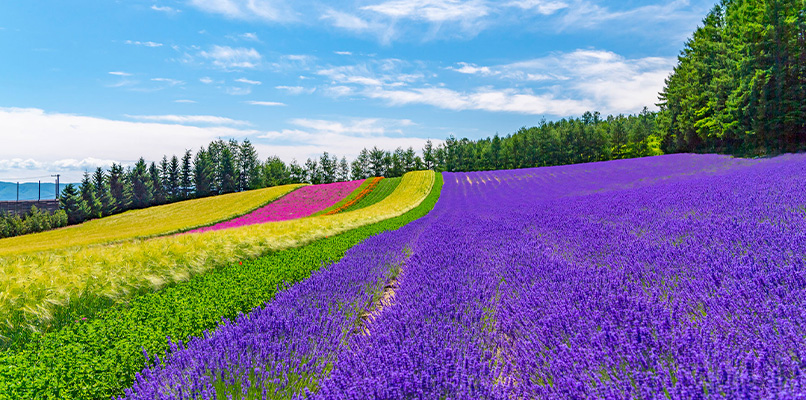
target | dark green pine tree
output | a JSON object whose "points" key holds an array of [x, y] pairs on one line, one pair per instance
{"points": [[203, 173], [186, 179], [228, 171], [120, 189], [250, 168], [102, 191], [71, 202], [157, 190], [142, 189], [174, 180], [87, 189]]}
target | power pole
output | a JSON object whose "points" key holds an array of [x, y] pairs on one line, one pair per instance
{"points": [[57, 185]]}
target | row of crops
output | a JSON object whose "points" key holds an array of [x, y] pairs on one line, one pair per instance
{"points": [[44, 290], [678, 276], [98, 357], [670, 277]]}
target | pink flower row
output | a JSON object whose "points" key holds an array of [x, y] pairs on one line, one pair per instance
{"points": [[300, 203]]}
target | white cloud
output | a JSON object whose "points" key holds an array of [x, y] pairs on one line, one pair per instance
{"points": [[265, 103], [87, 164], [168, 81], [247, 81], [119, 73], [226, 57], [20, 164], [268, 10], [487, 99], [345, 20], [249, 36], [432, 10], [296, 89], [185, 101], [611, 82], [238, 91], [386, 73], [190, 119], [343, 53], [541, 6], [165, 9], [466, 68], [206, 80], [47, 138], [146, 44]]}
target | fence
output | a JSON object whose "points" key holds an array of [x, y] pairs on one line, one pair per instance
{"points": [[23, 206]]}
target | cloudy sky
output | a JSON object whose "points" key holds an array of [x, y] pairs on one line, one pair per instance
{"points": [[85, 83]]}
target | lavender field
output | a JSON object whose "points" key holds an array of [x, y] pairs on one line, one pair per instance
{"points": [[679, 276]]}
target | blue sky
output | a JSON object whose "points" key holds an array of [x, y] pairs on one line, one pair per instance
{"points": [[85, 83]]}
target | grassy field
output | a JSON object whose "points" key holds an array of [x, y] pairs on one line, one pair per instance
{"points": [[384, 188], [45, 289], [149, 222]]}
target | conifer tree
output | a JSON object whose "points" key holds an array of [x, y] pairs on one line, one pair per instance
{"points": [[93, 205], [141, 185], [102, 191], [186, 180], [117, 182], [71, 202]]}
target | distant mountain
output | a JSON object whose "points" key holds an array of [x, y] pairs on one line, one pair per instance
{"points": [[29, 191]]}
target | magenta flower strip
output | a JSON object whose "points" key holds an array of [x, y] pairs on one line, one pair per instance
{"points": [[300, 203]]}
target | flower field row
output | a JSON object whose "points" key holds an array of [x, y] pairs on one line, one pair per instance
{"points": [[384, 188], [41, 293], [97, 358], [149, 222], [358, 197], [648, 282], [668, 277], [302, 202]]}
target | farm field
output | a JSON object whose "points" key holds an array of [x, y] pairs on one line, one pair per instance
{"points": [[300, 203], [677, 276], [39, 293], [98, 357], [153, 221]]}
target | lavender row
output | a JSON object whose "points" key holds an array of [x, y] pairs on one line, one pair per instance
{"points": [[671, 277]]}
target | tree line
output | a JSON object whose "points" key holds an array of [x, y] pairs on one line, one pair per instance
{"points": [[35, 220], [740, 83]]}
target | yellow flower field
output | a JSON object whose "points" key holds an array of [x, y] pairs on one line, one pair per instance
{"points": [[33, 286], [149, 222]]}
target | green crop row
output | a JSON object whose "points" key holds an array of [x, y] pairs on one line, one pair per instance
{"points": [[384, 189], [98, 357]]}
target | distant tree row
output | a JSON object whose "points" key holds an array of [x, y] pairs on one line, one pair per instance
{"points": [[567, 141], [740, 83], [33, 221]]}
